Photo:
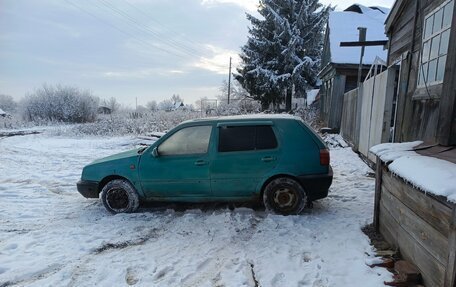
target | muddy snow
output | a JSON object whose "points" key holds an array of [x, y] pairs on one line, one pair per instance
{"points": [[51, 236]]}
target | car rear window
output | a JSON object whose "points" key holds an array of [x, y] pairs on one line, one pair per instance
{"points": [[245, 138]]}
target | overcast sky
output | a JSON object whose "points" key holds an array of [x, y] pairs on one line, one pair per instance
{"points": [[145, 49]]}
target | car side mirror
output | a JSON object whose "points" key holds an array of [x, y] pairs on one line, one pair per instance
{"points": [[155, 152]]}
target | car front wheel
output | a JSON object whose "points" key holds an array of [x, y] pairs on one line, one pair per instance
{"points": [[119, 196], [284, 196]]}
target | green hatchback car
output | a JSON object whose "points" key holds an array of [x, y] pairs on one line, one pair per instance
{"points": [[274, 159]]}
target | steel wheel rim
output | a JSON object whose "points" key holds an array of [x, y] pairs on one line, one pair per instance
{"points": [[285, 198], [117, 199]]}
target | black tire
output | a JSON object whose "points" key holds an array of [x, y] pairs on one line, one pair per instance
{"points": [[119, 196], [284, 196]]}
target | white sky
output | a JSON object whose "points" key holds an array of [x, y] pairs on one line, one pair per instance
{"points": [[149, 49]]}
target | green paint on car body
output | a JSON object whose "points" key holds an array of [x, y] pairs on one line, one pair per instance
{"points": [[213, 172]]}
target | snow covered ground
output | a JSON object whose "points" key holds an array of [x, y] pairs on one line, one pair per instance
{"points": [[52, 236]]}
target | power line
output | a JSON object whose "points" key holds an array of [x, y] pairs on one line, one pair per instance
{"points": [[151, 18], [144, 28], [140, 41], [138, 25]]}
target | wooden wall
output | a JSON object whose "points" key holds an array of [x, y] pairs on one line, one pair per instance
{"points": [[419, 113], [421, 226]]}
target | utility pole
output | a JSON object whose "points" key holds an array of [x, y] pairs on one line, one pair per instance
{"points": [[229, 83], [362, 38]]}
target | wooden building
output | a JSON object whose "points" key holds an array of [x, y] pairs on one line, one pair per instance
{"points": [[339, 70], [422, 40]]}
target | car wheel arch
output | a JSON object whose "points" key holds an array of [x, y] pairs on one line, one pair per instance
{"points": [[271, 178], [109, 178]]}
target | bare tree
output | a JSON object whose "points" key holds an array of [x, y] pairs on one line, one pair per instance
{"points": [[112, 104]]}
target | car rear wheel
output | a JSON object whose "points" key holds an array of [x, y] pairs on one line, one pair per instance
{"points": [[119, 196], [284, 196]]}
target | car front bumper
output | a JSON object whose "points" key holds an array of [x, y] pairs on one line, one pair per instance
{"points": [[317, 185], [87, 188]]}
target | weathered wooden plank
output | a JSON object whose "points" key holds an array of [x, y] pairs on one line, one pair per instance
{"points": [[378, 191], [423, 233], [430, 210], [388, 226], [433, 272], [450, 276]]}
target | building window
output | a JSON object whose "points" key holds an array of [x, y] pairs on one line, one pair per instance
{"points": [[436, 36]]}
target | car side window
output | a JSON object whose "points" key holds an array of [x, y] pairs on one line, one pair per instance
{"points": [[245, 138], [191, 140]]}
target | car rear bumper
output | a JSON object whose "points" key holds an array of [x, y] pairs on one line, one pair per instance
{"points": [[87, 188], [317, 185]]}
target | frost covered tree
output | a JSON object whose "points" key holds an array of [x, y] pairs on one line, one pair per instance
{"points": [[176, 99], [166, 105], [283, 50], [112, 104], [7, 103], [152, 105], [237, 92], [60, 104]]}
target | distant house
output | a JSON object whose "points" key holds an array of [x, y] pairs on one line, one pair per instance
{"points": [[3, 113], [104, 110], [427, 96], [339, 71], [178, 105]]}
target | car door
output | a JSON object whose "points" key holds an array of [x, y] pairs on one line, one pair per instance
{"points": [[179, 165], [245, 153]]}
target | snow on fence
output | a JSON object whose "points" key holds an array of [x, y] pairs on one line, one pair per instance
{"points": [[421, 225], [367, 112]]}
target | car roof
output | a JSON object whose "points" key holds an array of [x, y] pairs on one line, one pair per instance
{"points": [[244, 118]]}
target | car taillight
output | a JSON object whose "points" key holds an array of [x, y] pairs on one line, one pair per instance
{"points": [[324, 157]]}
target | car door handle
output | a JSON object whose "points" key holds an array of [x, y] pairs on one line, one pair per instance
{"points": [[268, 158], [200, 162]]}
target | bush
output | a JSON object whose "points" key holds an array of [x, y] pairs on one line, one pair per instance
{"points": [[131, 123], [60, 104]]}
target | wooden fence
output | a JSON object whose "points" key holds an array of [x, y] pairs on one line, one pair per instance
{"points": [[349, 128], [420, 225], [367, 112]]}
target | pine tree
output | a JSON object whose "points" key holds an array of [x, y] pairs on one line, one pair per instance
{"points": [[283, 50]]}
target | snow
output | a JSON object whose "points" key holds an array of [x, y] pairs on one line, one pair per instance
{"points": [[51, 236], [311, 95], [2, 112], [428, 174], [343, 27], [391, 151]]}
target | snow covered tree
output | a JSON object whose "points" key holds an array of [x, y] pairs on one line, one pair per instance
{"points": [[7, 103], [152, 106], [176, 99], [60, 104], [112, 104], [166, 105], [283, 50], [237, 91]]}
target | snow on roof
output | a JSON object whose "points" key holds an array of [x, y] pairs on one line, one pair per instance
{"points": [[311, 95], [343, 27], [2, 112], [428, 174]]}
